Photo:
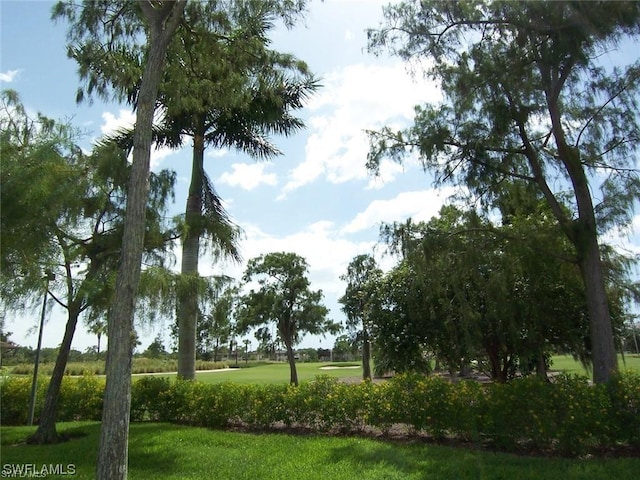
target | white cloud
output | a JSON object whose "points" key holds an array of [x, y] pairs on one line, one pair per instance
{"points": [[8, 76], [320, 243], [626, 239], [352, 100], [112, 123], [248, 176], [420, 205], [126, 119]]}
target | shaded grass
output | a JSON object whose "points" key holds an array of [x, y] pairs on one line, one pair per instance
{"points": [[179, 452]]}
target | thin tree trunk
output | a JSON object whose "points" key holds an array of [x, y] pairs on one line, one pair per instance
{"points": [[188, 300], [113, 450], [366, 356], [541, 366], [584, 236], [603, 352], [293, 379], [46, 432]]}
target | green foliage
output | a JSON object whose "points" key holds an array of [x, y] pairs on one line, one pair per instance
{"points": [[569, 416], [283, 299], [529, 104], [140, 365], [507, 308], [79, 399], [14, 399], [145, 395]]}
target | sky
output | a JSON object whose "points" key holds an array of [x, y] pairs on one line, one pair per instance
{"points": [[316, 199]]}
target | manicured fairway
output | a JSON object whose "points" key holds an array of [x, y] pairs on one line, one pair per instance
{"points": [[176, 452], [568, 364], [278, 373]]}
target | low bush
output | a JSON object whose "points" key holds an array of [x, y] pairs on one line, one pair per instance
{"points": [[140, 365], [80, 399], [568, 416]]}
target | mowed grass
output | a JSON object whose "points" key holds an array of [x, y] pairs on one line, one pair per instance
{"points": [[179, 452], [277, 373], [567, 364]]}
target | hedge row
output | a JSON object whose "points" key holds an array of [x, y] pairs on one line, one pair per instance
{"points": [[140, 365], [569, 416]]}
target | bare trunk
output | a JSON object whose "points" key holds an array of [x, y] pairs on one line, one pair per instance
{"points": [[366, 356], [188, 300], [541, 366], [585, 239], [603, 351], [46, 432], [113, 450], [293, 379], [493, 353], [584, 236]]}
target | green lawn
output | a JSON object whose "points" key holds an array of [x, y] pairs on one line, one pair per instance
{"points": [[568, 364], [179, 452], [277, 373]]}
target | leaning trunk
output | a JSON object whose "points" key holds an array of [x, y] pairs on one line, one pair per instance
{"points": [[187, 310], [603, 351], [584, 236], [46, 432], [113, 451]]}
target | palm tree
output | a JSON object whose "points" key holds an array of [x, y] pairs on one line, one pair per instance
{"points": [[223, 90]]}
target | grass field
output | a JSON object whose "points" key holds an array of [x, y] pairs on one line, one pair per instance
{"points": [[568, 364], [277, 373], [178, 452]]}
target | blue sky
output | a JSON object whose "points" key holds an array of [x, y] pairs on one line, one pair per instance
{"points": [[317, 199]]}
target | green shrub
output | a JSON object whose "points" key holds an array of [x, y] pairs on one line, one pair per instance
{"points": [[80, 398], [14, 399], [146, 393], [265, 406], [570, 415], [623, 393]]}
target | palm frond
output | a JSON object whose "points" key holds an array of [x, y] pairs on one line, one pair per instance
{"points": [[218, 226]]}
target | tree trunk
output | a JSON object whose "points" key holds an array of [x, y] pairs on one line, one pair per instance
{"points": [[541, 366], [293, 380], [584, 236], [187, 310], [366, 356], [497, 373], [46, 432], [114, 435], [603, 352]]}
